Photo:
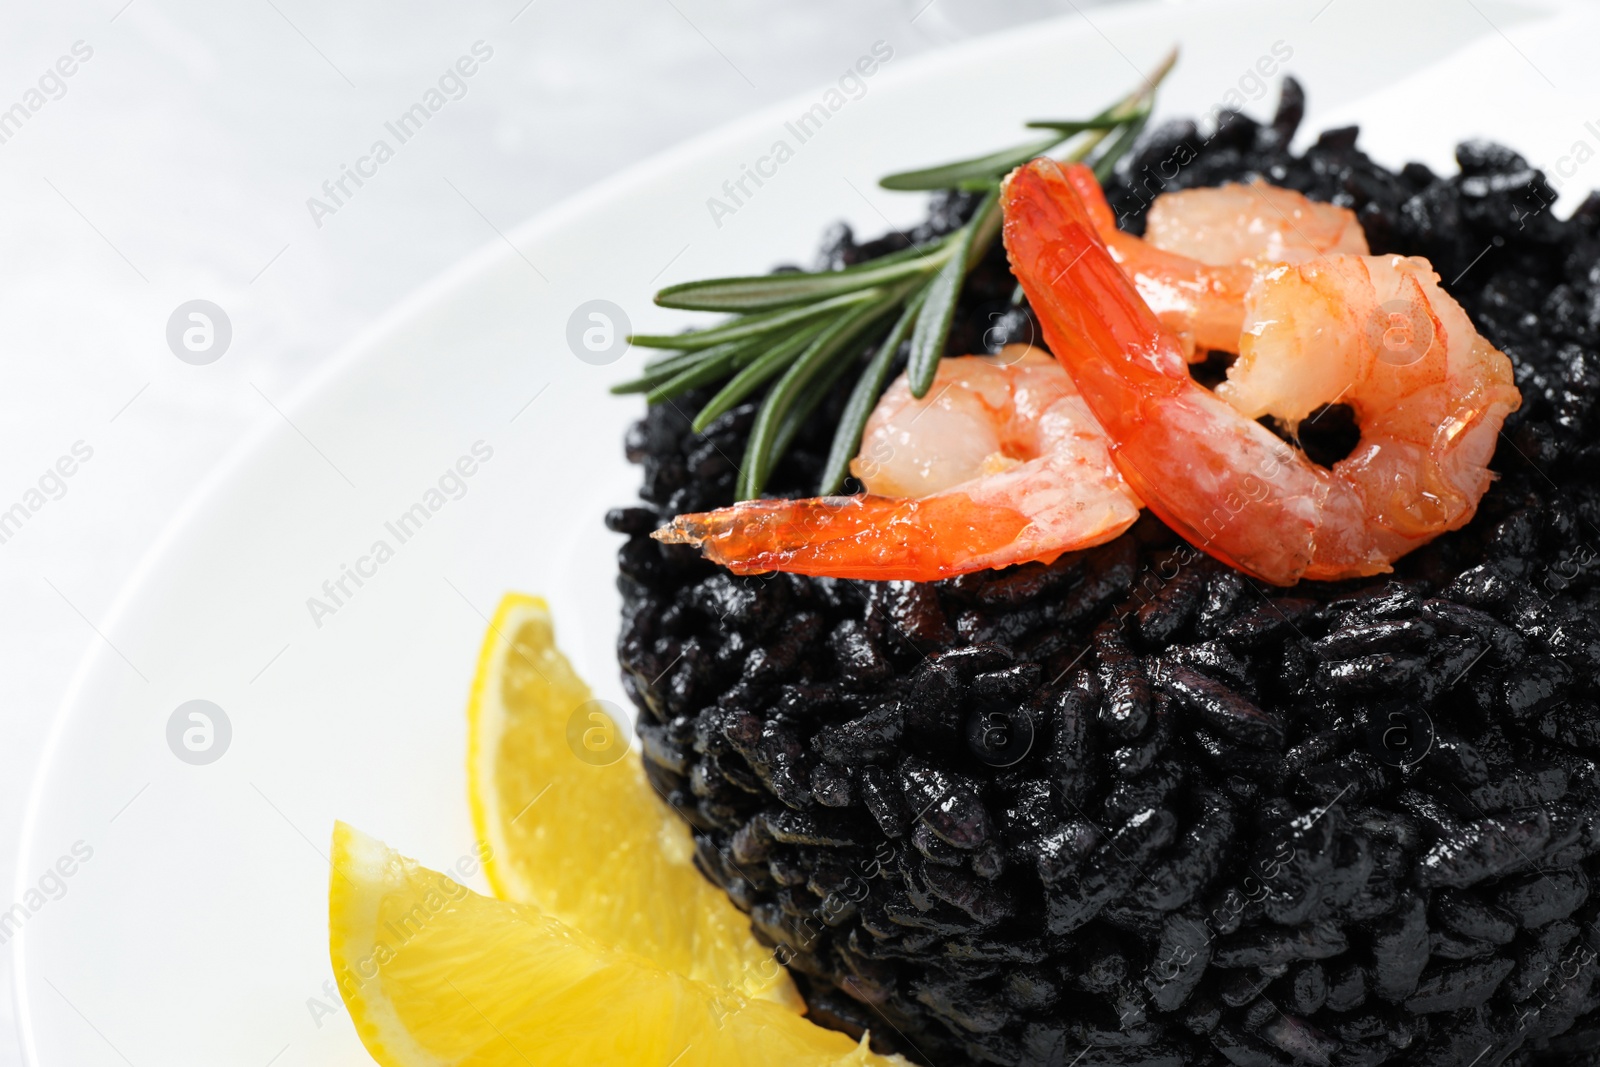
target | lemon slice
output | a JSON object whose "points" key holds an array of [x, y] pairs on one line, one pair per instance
{"points": [[574, 827], [434, 975]]}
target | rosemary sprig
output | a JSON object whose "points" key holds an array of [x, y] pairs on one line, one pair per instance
{"points": [[807, 328], [939, 303], [790, 393]]}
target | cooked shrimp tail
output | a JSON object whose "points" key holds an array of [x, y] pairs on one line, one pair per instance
{"points": [[1429, 420], [872, 537], [1001, 463], [1093, 195]]}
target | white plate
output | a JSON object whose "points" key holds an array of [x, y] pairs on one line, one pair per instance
{"points": [[194, 932]]}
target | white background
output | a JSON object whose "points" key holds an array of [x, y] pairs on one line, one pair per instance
{"points": [[177, 165]]}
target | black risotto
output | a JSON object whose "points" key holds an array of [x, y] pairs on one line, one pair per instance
{"points": [[1134, 807]]}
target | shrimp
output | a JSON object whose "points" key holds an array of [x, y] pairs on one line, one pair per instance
{"points": [[1202, 247], [1254, 224], [1001, 463], [1374, 332]]}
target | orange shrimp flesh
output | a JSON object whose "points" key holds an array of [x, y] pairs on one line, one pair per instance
{"points": [[1200, 304], [1253, 223], [1226, 483], [871, 537], [1378, 334], [1001, 463], [1202, 248]]}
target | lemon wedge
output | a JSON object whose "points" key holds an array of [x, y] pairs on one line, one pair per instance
{"points": [[573, 825], [434, 975]]}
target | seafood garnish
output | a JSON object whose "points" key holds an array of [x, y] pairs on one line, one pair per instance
{"points": [[1001, 463], [1202, 247], [1430, 395], [1253, 223]]}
